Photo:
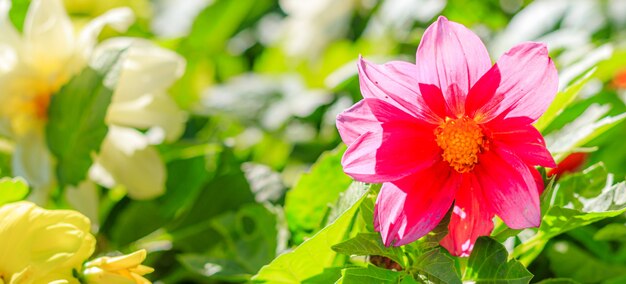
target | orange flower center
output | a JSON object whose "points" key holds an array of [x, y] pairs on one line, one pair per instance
{"points": [[461, 141]]}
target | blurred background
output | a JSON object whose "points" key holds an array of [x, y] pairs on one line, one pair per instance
{"points": [[263, 84]]}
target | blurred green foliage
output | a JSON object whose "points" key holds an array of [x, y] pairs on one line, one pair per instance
{"points": [[264, 81]]}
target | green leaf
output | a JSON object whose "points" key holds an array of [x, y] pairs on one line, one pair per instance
{"points": [[250, 235], [312, 256], [562, 100], [611, 232], [488, 264], [558, 281], [370, 244], [76, 115], [248, 240], [371, 274], [437, 266], [218, 268], [307, 202], [17, 14], [590, 124], [330, 275], [568, 260], [578, 200], [138, 219], [12, 190]]}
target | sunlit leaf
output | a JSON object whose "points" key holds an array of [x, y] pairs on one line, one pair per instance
{"points": [[12, 189], [578, 200], [307, 202], [312, 256], [583, 129], [561, 101]]}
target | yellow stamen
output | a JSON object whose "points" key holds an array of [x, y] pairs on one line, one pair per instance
{"points": [[461, 141]]}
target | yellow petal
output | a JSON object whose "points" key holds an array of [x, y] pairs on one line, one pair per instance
{"points": [[44, 244]]}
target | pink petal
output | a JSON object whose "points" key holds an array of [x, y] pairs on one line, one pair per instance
{"points": [[409, 208], [450, 54], [522, 83], [400, 149], [367, 116], [355, 121], [471, 218], [395, 84], [509, 188], [524, 140], [538, 179]]}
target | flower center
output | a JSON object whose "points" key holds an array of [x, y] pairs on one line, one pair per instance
{"points": [[461, 140]]}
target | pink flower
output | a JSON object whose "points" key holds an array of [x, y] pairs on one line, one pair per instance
{"points": [[451, 129]]}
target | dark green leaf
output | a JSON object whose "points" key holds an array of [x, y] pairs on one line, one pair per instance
{"points": [[489, 263], [76, 114], [369, 244], [371, 274], [437, 266], [568, 260], [217, 268]]}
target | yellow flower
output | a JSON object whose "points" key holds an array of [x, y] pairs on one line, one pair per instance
{"points": [[42, 246], [120, 269], [36, 63]]}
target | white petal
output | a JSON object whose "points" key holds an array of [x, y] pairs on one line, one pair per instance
{"points": [[147, 111], [49, 36], [127, 157], [32, 160], [84, 199], [147, 68], [120, 19], [10, 42]]}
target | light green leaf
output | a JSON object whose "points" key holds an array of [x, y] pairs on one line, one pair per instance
{"points": [[488, 264], [307, 202], [370, 244], [611, 232], [578, 200], [76, 114], [312, 256], [562, 100], [590, 124], [12, 190]]}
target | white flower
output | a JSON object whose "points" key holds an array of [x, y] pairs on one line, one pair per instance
{"points": [[36, 64]]}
